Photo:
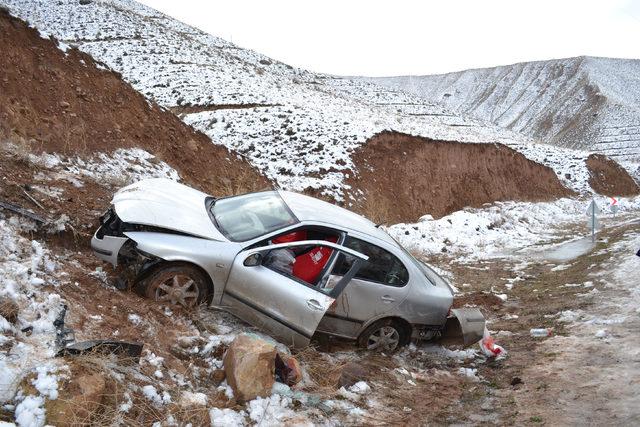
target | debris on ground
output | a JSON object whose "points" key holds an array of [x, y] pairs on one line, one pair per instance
{"points": [[128, 350], [541, 332], [287, 369], [489, 346], [22, 211]]}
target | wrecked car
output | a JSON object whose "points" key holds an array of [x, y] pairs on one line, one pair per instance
{"points": [[289, 264]]}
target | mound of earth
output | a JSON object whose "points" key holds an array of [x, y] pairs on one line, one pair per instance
{"points": [[404, 177], [63, 102], [607, 177]]}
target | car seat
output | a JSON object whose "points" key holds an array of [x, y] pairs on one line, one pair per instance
{"points": [[294, 236], [309, 265]]}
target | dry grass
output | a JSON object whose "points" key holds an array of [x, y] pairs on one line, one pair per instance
{"points": [[376, 209], [243, 183], [17, 148], [106, 411], [323, 372]]}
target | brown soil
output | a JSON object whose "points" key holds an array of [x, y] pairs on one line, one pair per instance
{"points": [[190, 109], [63, 103], [408, 176], [609, 178]]}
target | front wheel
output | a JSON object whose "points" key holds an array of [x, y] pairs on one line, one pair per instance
{"points": [[384, 335], [179, 285]]}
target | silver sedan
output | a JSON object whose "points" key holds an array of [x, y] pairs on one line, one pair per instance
{"points": [[289, 264]]}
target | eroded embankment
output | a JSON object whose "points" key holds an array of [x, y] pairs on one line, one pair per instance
{"points": [[62, 102], [609, 178], [405, 177]]}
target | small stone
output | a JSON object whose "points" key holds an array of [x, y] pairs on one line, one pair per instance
{"points": [[218, 376], [351, 374], [288, 369], [487, 406]]}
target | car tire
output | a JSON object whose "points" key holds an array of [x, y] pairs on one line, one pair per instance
{"points": [[178, 284], [384, 335]]}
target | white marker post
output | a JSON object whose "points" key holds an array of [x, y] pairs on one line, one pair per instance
{"points": [[592, 211]]}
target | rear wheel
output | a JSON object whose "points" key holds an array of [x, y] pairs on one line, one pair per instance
{"points": [[179, 285], [384, 335]]}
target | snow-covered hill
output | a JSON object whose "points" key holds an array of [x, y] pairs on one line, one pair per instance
{"points": [[584, 102], [299, 128]]}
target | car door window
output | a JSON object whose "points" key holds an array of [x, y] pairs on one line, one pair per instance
{"points": [[304, 264], [382, 266]]}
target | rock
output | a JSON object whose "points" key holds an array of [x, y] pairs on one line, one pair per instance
{"points": [[288, 369], [193, 145], [65, 104], [188, 342], [77, 401], [218, 376], [249, 366], [351, 374], [487, 405], [189, 399], [9, 309]]}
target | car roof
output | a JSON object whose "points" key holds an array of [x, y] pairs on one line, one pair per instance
{"points": [[307, 208]]}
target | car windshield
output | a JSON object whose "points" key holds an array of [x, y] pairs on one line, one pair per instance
{"points": [[246, 217]]}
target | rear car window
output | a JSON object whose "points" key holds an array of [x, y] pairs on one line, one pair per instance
{"points": [[382, 266]]}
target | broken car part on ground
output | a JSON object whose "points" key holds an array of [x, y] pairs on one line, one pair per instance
{"points": [[287, 263]]}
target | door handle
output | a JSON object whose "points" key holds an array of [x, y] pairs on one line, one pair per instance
{"points": [[387, 298], [314, 305]]}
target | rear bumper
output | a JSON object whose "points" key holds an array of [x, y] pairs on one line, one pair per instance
{"points": [[465, 326], [107, 247]]}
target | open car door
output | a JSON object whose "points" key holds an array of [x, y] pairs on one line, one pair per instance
{"points": [[277, 302]]}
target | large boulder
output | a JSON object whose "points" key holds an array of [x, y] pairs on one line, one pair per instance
{"points": [[249, 365]]}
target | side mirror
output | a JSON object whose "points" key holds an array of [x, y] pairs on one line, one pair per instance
{"points": [[253, 260]]}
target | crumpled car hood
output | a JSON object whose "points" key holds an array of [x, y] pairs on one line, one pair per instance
{"points": [[167, 204]]}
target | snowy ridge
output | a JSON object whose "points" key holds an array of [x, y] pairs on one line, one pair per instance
{"points": [[501, 229], [299, 128], [583, 102]]}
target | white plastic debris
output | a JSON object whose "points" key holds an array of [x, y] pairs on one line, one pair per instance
{"points": [[541, 332], [602, 333], [489, 347]]}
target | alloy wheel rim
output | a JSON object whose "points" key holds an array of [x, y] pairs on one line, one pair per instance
{"points": [[178, 289], [385, 338]]}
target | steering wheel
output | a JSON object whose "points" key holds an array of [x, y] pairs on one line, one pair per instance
{"points": [[393, 278], [255, 221]]}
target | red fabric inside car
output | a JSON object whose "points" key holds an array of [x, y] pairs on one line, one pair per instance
{"points": [[294, 236], [308, 266]]}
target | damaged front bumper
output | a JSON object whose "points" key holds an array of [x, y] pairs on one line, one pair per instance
{"points": [[108, 239], [107, 248]]}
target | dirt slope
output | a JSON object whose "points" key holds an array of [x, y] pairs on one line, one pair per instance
{"points": [[609, 178], [404, 177], [62, 102]]}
